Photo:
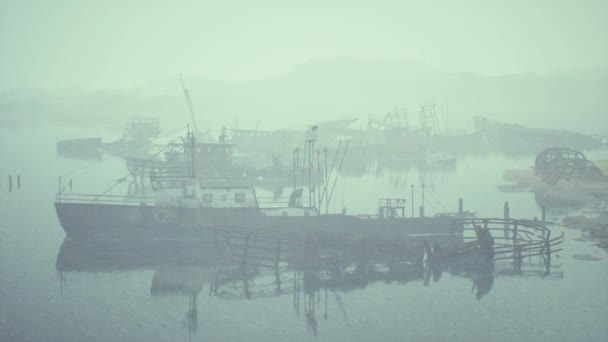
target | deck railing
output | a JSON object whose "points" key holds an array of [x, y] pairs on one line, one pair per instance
{"points": [[114, 199], [142, 200]]}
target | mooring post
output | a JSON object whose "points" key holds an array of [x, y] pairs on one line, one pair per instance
{"points": [[519, 258], [412, 186], [276, 266], [507, 216], [18, 181], [278, 254], [294, 169], [243, 262], [548, 251], [422, 207], [516, 250], [10, 183], [460, 208], [543, 213]]}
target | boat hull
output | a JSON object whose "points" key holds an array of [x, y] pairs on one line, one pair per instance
{"points": [[87, 220]]}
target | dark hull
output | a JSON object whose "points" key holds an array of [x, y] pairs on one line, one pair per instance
{"points": [[81, 220], [86, 148]]}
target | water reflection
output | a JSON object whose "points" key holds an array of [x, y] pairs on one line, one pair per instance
{"points": [[313, 271]]}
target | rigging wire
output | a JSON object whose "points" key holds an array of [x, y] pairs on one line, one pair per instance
{"points": [[120, 180], [437, 201]]}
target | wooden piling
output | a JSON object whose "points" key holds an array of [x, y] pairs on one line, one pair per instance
{"points": [[548, 252], [412, 186], [18, 181], [10, 183], [246, 249], [543, 211], [516, 249], [460, 208], [507, 216]]}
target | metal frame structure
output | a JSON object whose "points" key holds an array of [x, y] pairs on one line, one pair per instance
{"points": [[555, 164]]}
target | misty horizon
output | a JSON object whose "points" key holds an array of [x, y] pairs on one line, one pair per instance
{"points": [[270, 170], [119, 45]]}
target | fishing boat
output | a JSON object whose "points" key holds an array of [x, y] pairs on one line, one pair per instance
{"points": [[187, 205]]}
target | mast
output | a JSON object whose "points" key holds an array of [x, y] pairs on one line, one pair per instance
{"points": [[193, 155], [310, 139], [190, 153]]}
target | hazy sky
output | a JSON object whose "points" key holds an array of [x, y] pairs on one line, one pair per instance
{"points": [[118, 43]]}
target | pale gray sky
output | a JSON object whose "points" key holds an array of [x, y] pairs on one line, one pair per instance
{"points": [[120, 43]]}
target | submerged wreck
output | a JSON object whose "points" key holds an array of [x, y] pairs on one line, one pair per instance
{"points": [[562, 177], [558, 163]]}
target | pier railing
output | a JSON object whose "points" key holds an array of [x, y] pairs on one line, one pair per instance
{"points": [[515, 239]]}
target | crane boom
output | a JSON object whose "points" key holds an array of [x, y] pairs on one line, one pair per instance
{"points": [[189, 103]]}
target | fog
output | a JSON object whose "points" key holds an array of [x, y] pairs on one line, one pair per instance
{"points": [[310, 171], [299, 63]]}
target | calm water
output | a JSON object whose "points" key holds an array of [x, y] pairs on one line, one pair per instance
{"points": [[147, 293]]}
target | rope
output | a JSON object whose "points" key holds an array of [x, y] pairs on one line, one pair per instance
{"points": [[118, 154], [437, 201]]}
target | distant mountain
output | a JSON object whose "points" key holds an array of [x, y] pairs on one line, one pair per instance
{"points": [[354, 69], [597, 73], [334, 88]]}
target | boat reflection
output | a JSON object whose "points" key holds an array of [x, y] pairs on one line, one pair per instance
{"points": [[236, 266]]}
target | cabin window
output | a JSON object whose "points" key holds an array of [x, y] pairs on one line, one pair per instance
{"points": [[239, 197], [208, 198]]}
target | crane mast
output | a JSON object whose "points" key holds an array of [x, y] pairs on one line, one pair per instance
{"points": [[189, 103]]}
